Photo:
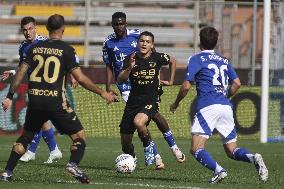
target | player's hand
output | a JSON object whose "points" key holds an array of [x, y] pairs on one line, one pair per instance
{"points": [[173, 107], [132, 61], [113, 91], [6, 74], [110, 97], [6, 104], [74, 82], [165, 83]]}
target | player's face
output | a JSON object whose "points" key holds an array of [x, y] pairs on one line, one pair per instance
{"points": [[145, 44], [119, 27], [29, 31]]}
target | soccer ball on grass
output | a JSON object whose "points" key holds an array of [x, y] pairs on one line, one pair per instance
{"points": [[125, 163]]}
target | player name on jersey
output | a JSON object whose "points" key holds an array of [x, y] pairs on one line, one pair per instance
{"points": [[49, 51]]}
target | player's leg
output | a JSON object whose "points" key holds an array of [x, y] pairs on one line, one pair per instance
{"points": [[205, 159], [163, 126], [67, 122], [49, 138], [127, 145], [30, 154], [202, 128], [150, 148], [33, 122], [226, 128], [242, 154], [19, 148]]}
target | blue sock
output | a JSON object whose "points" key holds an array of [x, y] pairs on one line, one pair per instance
{"points": [[49, 138], [204, 158], [35, 142], [242, 154], [168, 136], [155, 149]]}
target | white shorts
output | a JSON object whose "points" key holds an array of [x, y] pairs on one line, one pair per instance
{"points": [[125, 95], [219, 117]]}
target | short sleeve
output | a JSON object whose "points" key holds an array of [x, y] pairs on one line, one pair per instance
{"points": [[164, 59], [71, 60], [193, 67], [232, 73], [106, 55]]}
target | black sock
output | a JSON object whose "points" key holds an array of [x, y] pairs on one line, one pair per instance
{"points": [[146, 140], [13, 161], [129, 149], [77, 151]]}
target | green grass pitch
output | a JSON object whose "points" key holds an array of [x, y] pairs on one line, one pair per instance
{"points": [[101, 152]]}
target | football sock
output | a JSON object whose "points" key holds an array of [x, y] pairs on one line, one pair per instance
{"points": [[12, 161], [242, 154], [34, 144], [129, 149], [169, 138], [49, 138], [204, 158], [77, 150], [146, 140], [155, 149]]}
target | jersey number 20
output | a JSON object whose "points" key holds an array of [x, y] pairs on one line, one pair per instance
{"points": [[219, 73], [45, 65]]}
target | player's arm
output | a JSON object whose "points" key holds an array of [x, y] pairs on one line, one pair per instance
{"points": [[126, 70], [181, 94], [6, 104], [88, 84], [236, 84], [6, 74], [109, 77], [172, 68]]}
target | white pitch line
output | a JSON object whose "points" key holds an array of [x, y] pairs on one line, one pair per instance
{"points": [[137, 184]]}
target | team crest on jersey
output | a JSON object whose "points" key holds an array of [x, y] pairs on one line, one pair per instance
{"points": [[116, 48], [134, 44], [152, 64]]}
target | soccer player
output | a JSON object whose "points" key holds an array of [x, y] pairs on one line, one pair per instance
{"points": [[117, 46], [215, 80], [142, 69], [49, 62], [28, 27]]}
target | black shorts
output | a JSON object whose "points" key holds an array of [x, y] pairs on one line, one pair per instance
{"points": [[127, 123], [65, 122]]}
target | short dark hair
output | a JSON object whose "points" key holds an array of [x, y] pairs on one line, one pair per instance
{"points": [[208, 37], [26, 20], [119, 15], [55, 22], [147, 33]]}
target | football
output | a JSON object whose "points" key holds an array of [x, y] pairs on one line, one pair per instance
{"points": [[125, 163]]}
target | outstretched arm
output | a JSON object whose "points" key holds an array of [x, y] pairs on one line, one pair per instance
{"points": [[88, 84], [6, 104], [182, 93]]}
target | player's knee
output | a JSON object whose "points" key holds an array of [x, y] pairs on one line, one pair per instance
{"points": [[19, 148], [139, 123], [78, 144], [21, 144]]}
